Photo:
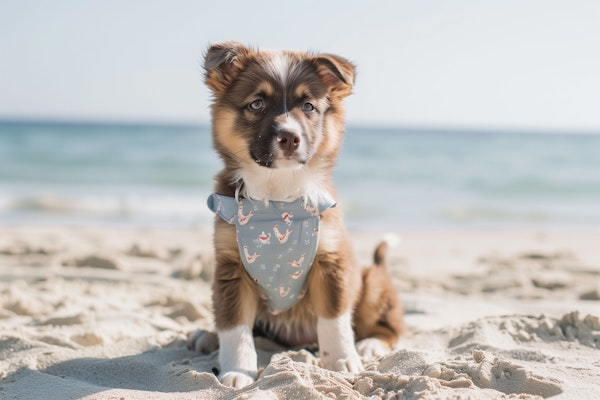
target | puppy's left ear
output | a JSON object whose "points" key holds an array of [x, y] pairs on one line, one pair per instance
{"points": [[337, 74]]}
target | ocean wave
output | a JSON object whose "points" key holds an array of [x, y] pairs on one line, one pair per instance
{"points": [[387, 179], [162, 206], [465, 214], [509, 215], [535, 187]]}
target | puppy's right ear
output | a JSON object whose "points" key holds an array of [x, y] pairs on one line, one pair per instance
{"points": [[223, 63]]}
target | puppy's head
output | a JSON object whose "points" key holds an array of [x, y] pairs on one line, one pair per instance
{"points": [[276, 109]]}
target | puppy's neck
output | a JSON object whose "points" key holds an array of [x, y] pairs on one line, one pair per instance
{"points": [[281, 184]]}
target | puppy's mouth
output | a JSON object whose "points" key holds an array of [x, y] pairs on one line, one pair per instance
{"points": [[265, 160], [271, 160]]}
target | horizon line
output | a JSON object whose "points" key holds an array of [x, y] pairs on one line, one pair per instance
{"points": [[424, 128]]}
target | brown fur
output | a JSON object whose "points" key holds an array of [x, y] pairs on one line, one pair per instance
{"points": [[236, 74]]}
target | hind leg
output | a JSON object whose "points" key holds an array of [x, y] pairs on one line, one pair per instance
{"points": [[202, 341]]}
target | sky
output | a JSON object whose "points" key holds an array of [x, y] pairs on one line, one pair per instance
{"points": [[493, 64]]}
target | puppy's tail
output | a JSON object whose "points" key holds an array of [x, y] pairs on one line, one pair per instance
{"points": [[380, 257]]}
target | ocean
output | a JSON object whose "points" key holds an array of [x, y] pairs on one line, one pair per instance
{"points": [[387, 179]]}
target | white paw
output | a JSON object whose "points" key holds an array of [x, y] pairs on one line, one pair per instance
{"points": [[336, 344], [351, 364], [236, 380], [237, 357], [203, 341], [372, 348], [346, 361]]}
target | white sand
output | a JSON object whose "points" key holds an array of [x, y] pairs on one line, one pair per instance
{"points": [[104, 314]]}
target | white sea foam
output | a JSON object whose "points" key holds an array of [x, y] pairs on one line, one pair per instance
{"points": [[132, 208]]}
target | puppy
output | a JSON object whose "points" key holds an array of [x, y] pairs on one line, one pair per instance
{"points": [[284, 264]]}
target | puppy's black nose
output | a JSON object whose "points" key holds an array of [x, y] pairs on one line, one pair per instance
{"points": [[288, 142]]}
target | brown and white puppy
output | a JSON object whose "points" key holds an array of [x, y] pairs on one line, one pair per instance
{"points": [[277, 124]]}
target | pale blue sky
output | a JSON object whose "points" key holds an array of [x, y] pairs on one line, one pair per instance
{"points": [[494, 64]]}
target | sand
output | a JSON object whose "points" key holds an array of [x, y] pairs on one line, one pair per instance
{"points": [[104, 313]]}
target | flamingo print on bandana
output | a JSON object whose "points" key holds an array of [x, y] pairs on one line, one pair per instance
{"points": [[279, 267]]}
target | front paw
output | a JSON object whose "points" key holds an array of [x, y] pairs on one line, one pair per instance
{"points": [[336, 344], [351, 364], [202, 341], [236, 380], [347, 362], [237, 357]]}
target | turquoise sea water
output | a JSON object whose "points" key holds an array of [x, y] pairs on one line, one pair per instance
{"points": [[72, 173]]}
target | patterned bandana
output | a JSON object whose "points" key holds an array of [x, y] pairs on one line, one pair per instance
{"points": [[277, 243]]}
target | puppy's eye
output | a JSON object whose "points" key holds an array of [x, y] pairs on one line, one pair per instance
{"points": [[256, 105], [308, 107]]}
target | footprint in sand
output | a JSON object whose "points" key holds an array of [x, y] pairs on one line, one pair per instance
{"points": [[93, 261]]}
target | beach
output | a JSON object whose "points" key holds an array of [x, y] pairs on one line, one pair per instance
{"points": [[104, 313], [464, 134], [106, 263]]}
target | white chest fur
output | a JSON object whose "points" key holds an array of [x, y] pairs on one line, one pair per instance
{"points": [[281, 184]]}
